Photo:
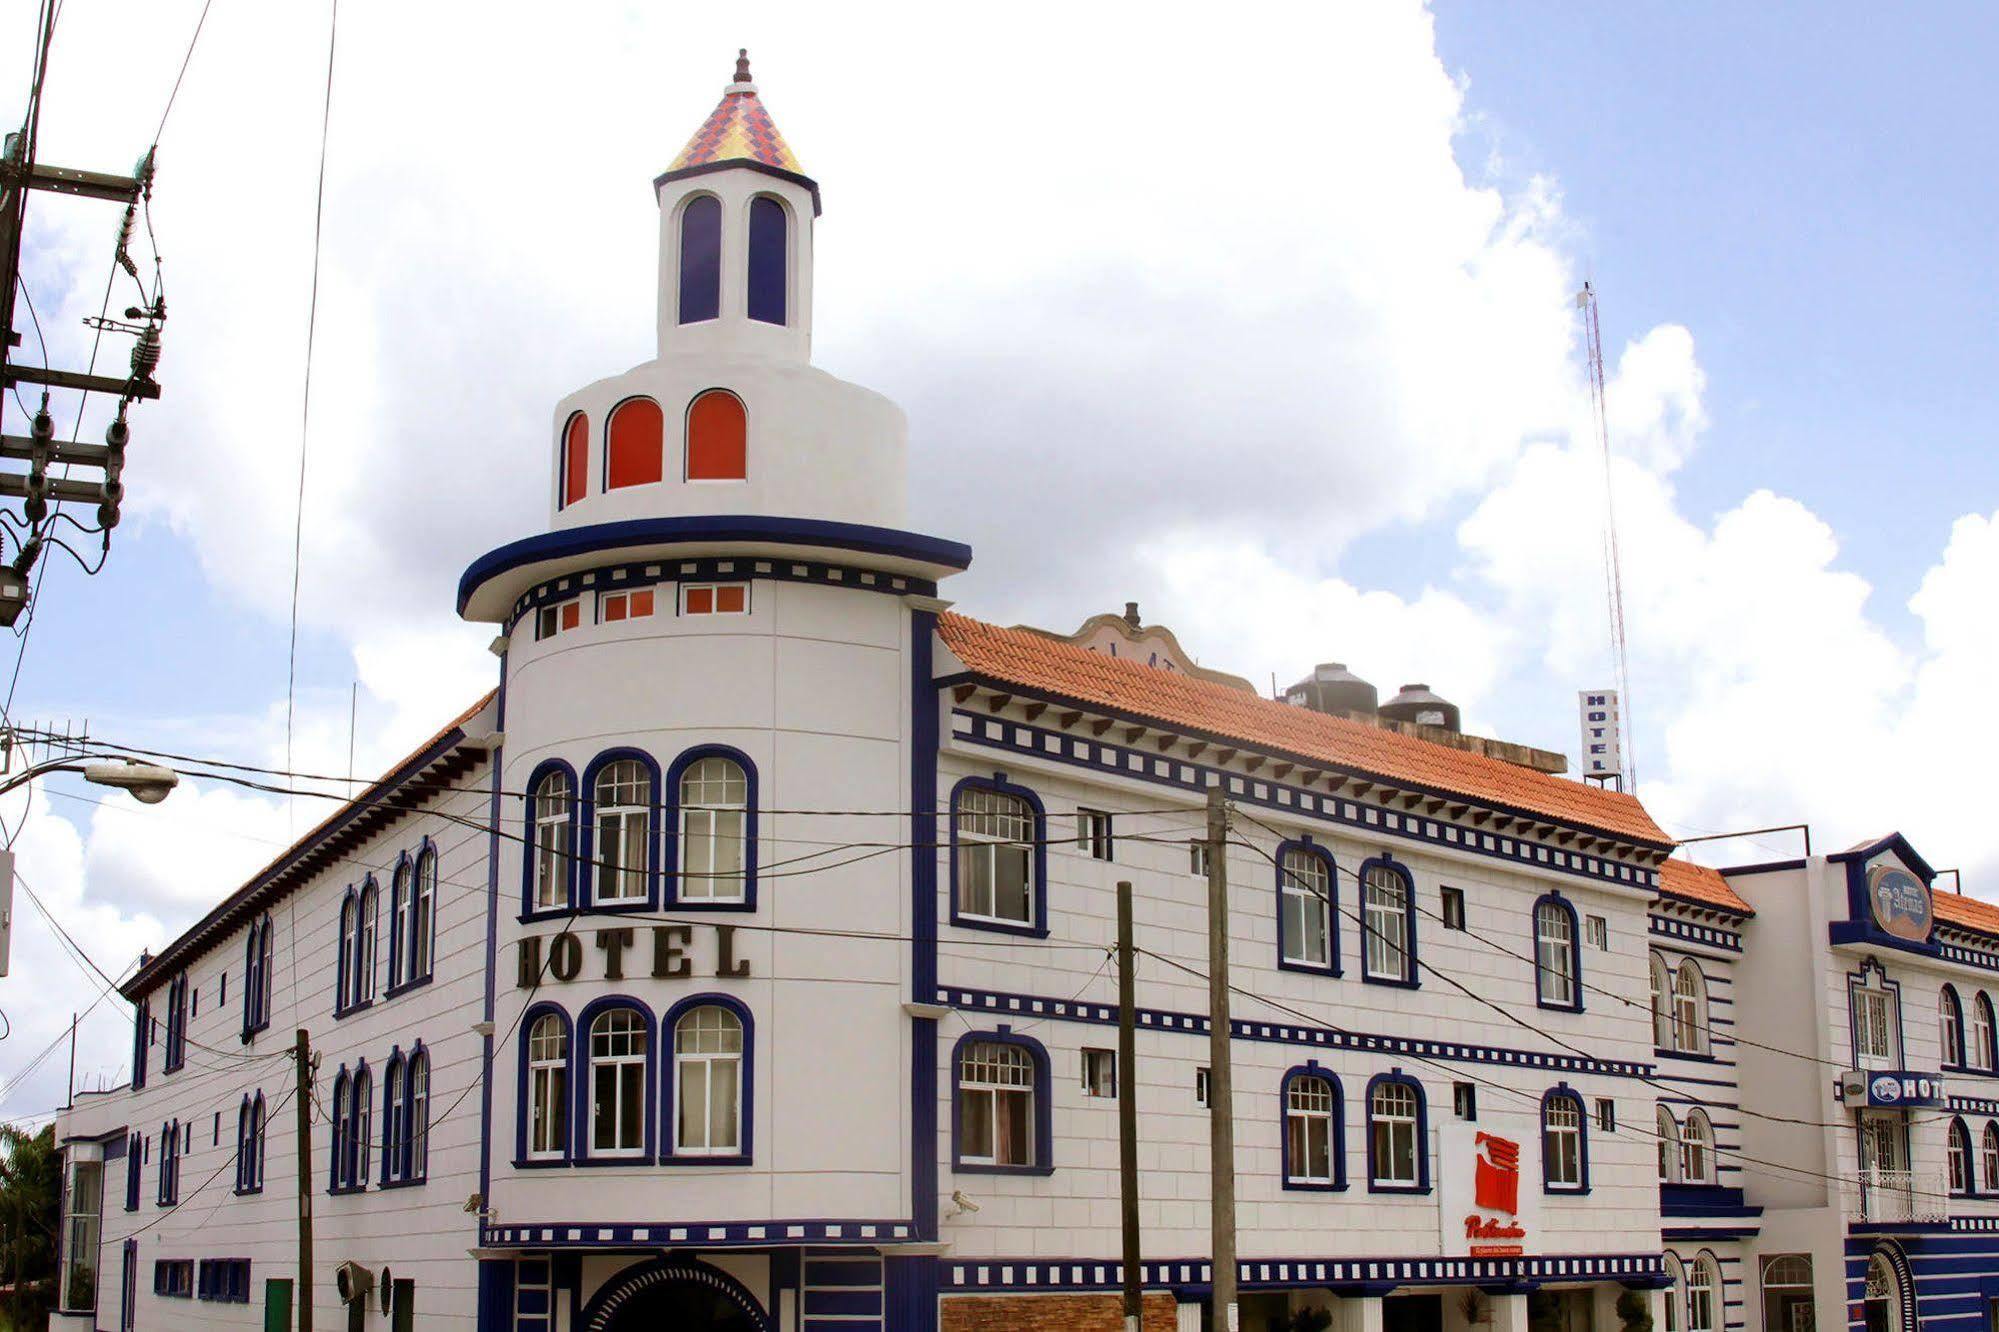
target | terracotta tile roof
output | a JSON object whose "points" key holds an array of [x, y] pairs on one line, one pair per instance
{"points": [[738, 130], [1034, 662], [1697, 883], [1966, 913]]}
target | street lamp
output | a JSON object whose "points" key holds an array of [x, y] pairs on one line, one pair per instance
{"points": [[149, 783]]}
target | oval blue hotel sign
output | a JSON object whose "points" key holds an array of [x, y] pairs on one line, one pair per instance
{"points": [[1900, 902]]}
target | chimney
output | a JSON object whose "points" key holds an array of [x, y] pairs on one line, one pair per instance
{"points": [[1131, 614]]}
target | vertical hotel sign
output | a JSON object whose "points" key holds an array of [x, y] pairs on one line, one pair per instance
{"points": [[1602, 734], [1489, 1189]]}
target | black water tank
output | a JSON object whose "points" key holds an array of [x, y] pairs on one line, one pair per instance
{"points": [[1417, 704], [1331, 687]]}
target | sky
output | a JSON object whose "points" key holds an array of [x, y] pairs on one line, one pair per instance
{"points": [[1264, 322]]}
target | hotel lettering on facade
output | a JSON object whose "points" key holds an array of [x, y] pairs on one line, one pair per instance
{"points": [[741, 961]]}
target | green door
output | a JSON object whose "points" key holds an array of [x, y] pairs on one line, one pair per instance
{"points": [[277, 1304]]}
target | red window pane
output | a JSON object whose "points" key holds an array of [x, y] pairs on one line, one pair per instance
{"points": [[717, 438], [572, 615], [700, 601], [575, 458], [729, 600], [614, 607], [641, 604], [636, 450]]}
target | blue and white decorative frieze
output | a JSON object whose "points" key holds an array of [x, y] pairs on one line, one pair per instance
{"points": [[1951, 947], [1139, 765], [708, 1234], [1066, 1274], [1974, 1105], [1672, 927], [1326, 1038], [651, 573]]}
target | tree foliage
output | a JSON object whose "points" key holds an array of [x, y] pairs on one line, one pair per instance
{"points": [[30, 1208]]}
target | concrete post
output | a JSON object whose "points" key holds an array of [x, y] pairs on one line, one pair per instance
{"points": [[1509, 1312]]}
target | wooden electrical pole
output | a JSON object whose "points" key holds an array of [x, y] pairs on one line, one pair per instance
{"points": [[302, 1056], [1221, 1100], [1127, 1106]]}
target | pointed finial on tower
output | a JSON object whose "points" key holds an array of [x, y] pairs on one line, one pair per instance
{"points": [[743, 64]]}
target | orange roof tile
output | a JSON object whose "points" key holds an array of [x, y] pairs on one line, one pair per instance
{"points": [[1966, 913], [1697, 883], [1035, 662], [738, 130]]}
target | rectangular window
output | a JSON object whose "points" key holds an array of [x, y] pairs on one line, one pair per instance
{"points": [[1197, 859], [1874, 1028], [1597, 931], [1093, 833], [714, 598], [1606, 1114], [1201, 1087], [1453, 907], [615, 606], [79, 1257], [1464, 1099], [560, 619], [1100, 1073], [995, 833], [173, 1277]]}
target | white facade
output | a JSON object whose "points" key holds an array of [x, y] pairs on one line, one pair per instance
{"points": [[767, 983]]}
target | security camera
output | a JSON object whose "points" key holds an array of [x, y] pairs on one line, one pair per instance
{"points": [[961, 1203]]}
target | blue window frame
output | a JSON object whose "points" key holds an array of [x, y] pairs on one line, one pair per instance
{"points": [[769, 251], [352, 1118], [548, 852], [1398, 1134], [1950, 1022], [1960, 1164], [1001, 1118], [618, 843], [169, 1176], [1388, 941], [1558, 966], [612, 1105], [135, 1161], [142, 1018], [1982, 1044], [710, 855], [708, 1094], [1564, 1141], [999, 857], [545, 1087], [257, 978], [700, 259], [1308, 909], [250, 1145], [176, 1055], [1313, 1129], [405, 1117]]}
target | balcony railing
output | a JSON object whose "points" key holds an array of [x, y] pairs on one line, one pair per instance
{"points": [[1902, 1197]]}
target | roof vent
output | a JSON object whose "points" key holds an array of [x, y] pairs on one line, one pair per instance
{"points": [[1417, 704], [1332, 688], [1131, 614]]}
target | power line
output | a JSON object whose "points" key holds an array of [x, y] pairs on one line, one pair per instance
{"points": [[305, 405], [185, 61]]}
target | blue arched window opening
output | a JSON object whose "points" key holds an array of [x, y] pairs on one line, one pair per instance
{"points": [[1308, 909], [1314, 1129], [1564, 1142], [1558, 968], [711, 819], [707, 1096], [1001, 1119], [769, 249], [1398, 1135], [1950, 1018], [548, 859], [1388, 924], [701, 259], [547, 1075]]}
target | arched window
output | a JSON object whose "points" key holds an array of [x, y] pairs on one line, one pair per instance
{"points": [[548, 1088], [769, 249], [996, 844], [635, 448], [1395, 1156], [399, 926], [1662, 1004], [1697, 1148], [1669, 1147], [1676, 1292], [998, 1120], [575, 460], [176, 1024], [1981, 1054], [367, 908], [418, 1164], [1389, 951], [1958, 1155], [340, 1167], [395, 1120], [1564, 1143], [347, 959], [1312, 1131], [619, 1058], [1557, 983], [423, 914], [714, 795], [1703, 1295], [622, 809], [1689, 1008], [361, 1135], [718, 437], [170, 1152], [700, 259], [1305, 935], [1789, 1293], [1989, 1150], [249, 1144], [550, 811], [708, 1082], [1950, 1025], [261, 991]]}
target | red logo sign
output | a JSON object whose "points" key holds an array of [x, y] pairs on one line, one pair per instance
{"points": [[1496, 1187]]}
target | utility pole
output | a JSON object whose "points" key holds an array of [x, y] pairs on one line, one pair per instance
{"points": [[70, 1099], [1127, 1106], [302, 1056], [1221, 1099]]}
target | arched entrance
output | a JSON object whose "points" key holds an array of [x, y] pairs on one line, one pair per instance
{"points": [[677, 1293], [1890, 1294]]}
